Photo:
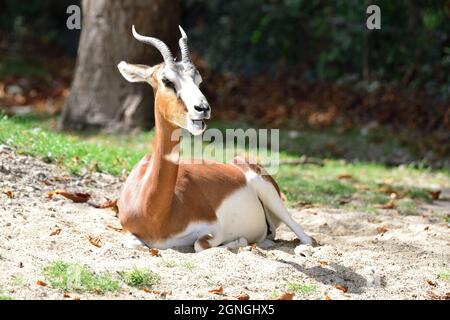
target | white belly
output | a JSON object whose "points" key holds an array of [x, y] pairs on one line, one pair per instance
{"points": [[241, 215]]}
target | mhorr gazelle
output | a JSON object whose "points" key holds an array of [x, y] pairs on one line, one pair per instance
{"points": [[165, 203]]}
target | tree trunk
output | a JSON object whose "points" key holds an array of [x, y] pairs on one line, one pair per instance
{"points": [[100, 98]]}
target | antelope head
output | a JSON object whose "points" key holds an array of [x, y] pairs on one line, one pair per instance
{"points": [[175, 84]]}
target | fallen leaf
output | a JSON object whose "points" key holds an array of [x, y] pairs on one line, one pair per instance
{"points": [[426, 228], [41, 283], [327, 297], [109, 203], [151, 291], [61, 178], [341, 287], [161, 293], [389, 205], [71, 296], [323, 262], [217, 290], [434, 296], [435, 194], [96, 241], [345, 176], [431, 283], [154, 252], [46, 182], [286, 296], [382, 229], [118, 229], [75, 197], [243, 296], [9, 194], [55, 232]]}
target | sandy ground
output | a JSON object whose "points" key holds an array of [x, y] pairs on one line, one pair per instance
{"points": [[401, 263]]}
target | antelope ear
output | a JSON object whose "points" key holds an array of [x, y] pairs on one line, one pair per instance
{"points": [[136, 72]]}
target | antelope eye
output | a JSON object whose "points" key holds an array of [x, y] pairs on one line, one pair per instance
{"points": [[169, 84]]}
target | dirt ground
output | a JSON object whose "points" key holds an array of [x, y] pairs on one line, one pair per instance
{"points": [[400, 262]]}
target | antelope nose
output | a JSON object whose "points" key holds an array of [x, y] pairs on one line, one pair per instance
{"points": [[204, 109]]}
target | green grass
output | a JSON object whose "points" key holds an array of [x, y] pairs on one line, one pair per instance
{"points": [[302, 184], [79, 278], [189, 265], [17, 280], [168, 263], [274, 294], [141, 278], [445, 275], [4, 297], [76, 152], [301, 288]]}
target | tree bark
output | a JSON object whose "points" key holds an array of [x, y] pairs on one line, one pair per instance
{"points": [[100, 98]]}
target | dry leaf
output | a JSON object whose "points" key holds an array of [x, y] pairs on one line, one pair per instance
{"points": [[9, 194], [109, 203], [286, 296], [151, 291], [61, 179], [323, 262], [243, 296], [389, 205], [118, 229], [217, 290], [345, 176], [341, 287], [154, 252], [96, 241], [327, 297], [75, 197], [71, 296], [434, 296], [41, 283], [161, 293], [435, 194], [431, 283], [56, 232], [382, 229], [426, 228]]}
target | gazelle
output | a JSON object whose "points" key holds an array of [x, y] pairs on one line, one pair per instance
{"points": [[167, 204]]}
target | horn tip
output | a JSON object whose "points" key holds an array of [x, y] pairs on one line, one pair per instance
{"points": [[183, 34]]}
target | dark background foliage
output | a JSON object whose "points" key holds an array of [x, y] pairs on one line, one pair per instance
{"points": [[321, 39]]}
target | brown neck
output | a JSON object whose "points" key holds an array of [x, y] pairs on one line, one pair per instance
{"points": [[161, 176]]}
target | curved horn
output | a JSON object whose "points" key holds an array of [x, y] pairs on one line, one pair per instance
{"points": [[158, 44], [183, 42]]}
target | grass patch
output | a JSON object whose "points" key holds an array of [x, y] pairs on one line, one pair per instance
{"points": [[76, 152], [168, 263], [274, 294], [5, 297], [17, 280], [301, 288], [188, 265], [302, 184], [76, 277], [445, 275], [141, 278]]}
